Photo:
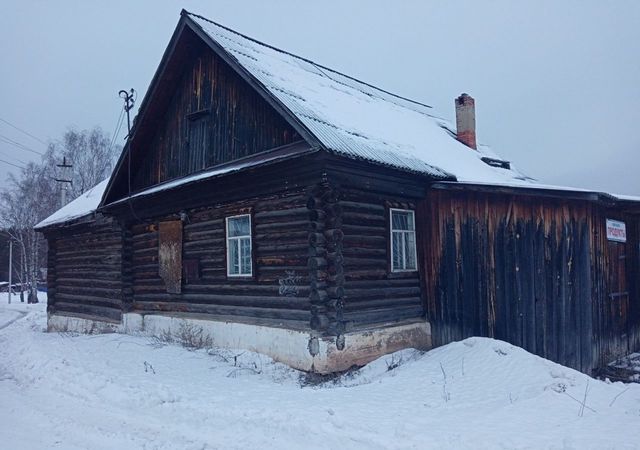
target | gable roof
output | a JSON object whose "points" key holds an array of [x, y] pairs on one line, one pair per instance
{"points": [[333, 112], [352, 118], [337, 113], [330, 110], [82, 206]]}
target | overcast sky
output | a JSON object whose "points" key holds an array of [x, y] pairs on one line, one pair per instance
{"points": [[557, 84]]}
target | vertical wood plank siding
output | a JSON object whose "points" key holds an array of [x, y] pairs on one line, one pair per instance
{"points": [[277, 292], [534, 272], [213, 117], [84, 275], [633, 276]]}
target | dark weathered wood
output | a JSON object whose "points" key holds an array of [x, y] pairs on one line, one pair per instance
{"points": [[239, 122], [541, 279], [280, 280], [84, 274]]}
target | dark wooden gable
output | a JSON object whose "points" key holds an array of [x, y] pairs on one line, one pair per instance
{"points": [[199, 113], [214, 117]]}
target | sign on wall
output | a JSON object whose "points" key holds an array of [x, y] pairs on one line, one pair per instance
{"points": [[616, 231]]}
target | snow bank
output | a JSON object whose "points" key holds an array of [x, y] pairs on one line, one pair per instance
{"points": [[81, 206], [116, 391]]}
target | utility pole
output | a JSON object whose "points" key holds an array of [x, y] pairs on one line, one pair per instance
{"points": [[129, 101], [10, 266], [65, 180]]}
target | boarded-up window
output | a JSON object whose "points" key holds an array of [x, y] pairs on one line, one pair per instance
{"points": [[170, 255]]}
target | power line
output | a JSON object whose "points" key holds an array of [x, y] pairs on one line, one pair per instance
{"points": [[19, 145], [23, 131], [9, 155], [116, 131], [12, 164]]}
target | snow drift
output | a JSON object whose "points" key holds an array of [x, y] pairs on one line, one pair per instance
{"points": [[69, 391]]}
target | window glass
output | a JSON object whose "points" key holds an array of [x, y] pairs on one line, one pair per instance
{"points": [[400, 220], [245, 255], [239, 226], [397, 250], [410, 251], [234, 266]]}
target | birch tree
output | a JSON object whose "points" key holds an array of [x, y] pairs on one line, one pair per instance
{"points": [[91, 154], [34, 194], [29, 198]]}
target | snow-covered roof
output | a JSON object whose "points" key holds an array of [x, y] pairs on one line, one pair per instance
{"points": [[345, 116], [357, 120], [628, 198], [86, 204]]}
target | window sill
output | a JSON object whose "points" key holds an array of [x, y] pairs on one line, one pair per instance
{"points": [[403, 274], [240, 277]]}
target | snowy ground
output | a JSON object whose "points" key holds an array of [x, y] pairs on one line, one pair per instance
{"points": [[64, 391]]}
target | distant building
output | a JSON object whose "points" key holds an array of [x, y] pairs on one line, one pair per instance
{"points": [[295, 211]]}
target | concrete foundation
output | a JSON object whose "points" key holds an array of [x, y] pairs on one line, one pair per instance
{"points": [[298, 349]]}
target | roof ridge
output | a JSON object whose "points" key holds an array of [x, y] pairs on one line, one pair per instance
{"points": [[185, 12]]}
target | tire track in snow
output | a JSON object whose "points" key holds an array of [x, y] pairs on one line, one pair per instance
{"points": [[21, 314]]}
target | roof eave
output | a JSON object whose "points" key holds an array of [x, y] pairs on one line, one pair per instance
{"points": [[592, 196], [71, 222], [263, 159]]}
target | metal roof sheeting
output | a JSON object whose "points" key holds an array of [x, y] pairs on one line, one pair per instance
{"points": [[354, 119]]}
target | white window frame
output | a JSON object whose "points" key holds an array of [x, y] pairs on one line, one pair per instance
{"points": [[403, 234], [238, 238]]}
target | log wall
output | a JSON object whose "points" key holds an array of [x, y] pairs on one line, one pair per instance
{"points": [[277, 293], [84, 270], [372, 295]]}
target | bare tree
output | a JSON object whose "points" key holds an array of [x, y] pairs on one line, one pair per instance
{"points": [[89, 151], [28, 199], [34, 194]]}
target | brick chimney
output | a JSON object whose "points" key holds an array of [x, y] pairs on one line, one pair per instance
{"points": [[466, 120]]}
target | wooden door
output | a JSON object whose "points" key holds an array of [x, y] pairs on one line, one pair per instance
{"points": [[619, 291]]}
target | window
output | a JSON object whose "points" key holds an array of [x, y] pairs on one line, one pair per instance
{"points": [[239, 246], [403, 241]]}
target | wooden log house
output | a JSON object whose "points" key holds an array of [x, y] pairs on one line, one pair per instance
{"points": [[290, 209]]}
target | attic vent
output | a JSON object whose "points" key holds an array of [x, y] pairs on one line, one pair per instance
{"points": [[198, 114], [496, 162]]}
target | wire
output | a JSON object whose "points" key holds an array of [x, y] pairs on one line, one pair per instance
{"points": [[22, 131], [12, 164], [116, 131], [19, 145], [9, 155]]}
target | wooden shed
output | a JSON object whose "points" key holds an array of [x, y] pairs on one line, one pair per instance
{"points": [[534, 266], [287, 208]]}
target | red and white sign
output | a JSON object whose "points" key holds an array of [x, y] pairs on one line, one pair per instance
{"points": [[616, 231]]}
